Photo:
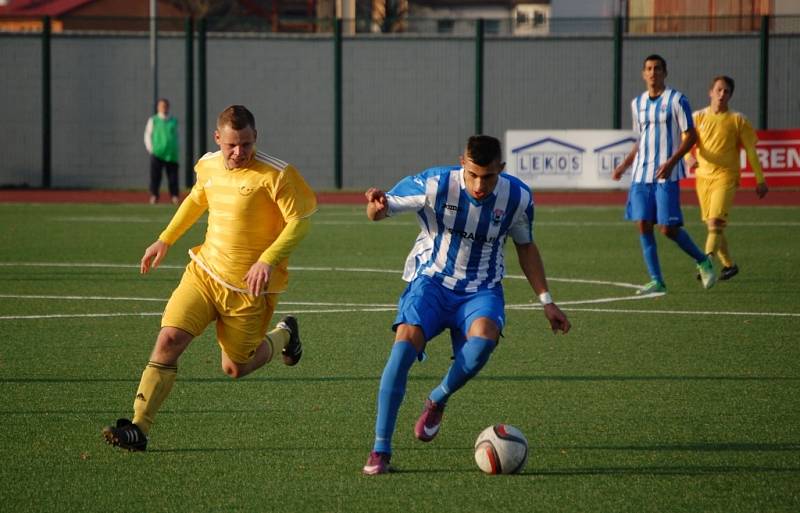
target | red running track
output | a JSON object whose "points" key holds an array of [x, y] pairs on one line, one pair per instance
{"points": [[775, 197]]}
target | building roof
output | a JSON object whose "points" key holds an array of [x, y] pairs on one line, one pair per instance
{"points": [[475, 3], [41, 7]]}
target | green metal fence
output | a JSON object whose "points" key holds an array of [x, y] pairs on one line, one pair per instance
{"points": [[619, 30]]}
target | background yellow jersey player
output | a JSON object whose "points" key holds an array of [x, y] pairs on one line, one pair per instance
{"points": [[720, 134], [258, 211]]}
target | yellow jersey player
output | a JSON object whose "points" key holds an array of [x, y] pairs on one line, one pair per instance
{"points": [[258, 211], [720, 134]]}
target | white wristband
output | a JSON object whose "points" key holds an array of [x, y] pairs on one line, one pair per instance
{"points": [[545, 298]]}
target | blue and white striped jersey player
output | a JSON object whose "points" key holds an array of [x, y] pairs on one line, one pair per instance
{"points": [[454, 272], [663, 118]]}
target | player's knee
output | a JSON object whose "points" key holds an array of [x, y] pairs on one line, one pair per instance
{"points": [[484, 327], [232, 371], [669, 231], [716, 223], [644, 227], [170, 344], [411, 333]]}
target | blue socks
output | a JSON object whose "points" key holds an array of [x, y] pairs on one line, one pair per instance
{"points": [[468, 361], [687, 245], [650, 253], [391, 393]]}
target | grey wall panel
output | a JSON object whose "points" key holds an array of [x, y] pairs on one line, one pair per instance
{"points": [[408, 102], [21, 110], [288, 85], [102, 97], [691, 64], [784, 75], [548, 83], [408, 105]]}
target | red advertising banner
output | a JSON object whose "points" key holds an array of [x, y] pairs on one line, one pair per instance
{"points": [[779, 154]]}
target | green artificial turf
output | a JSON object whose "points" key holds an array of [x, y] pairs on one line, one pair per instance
{"points": [[685, 402]]}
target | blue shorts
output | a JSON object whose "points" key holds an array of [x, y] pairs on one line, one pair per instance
{"points": [[659, 203], [434, 308]]}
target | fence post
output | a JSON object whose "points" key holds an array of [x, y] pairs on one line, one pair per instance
{"points": [[337, 103], [201, 86], [617, 102], [479, 76], [763, 76], [189, 125], [46, 107]]}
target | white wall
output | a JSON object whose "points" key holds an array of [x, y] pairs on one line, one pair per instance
{"points": [[585, 8]]}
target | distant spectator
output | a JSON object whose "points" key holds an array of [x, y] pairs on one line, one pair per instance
{"points": [[161, 141]]}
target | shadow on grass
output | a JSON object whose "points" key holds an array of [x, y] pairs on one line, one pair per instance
{"points": [[637, 378], [665, 470], [532, 472], [333, 379], [662, 470], [691, 447]]}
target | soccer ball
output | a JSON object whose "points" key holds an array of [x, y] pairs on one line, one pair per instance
{"points": [[501, 449]]}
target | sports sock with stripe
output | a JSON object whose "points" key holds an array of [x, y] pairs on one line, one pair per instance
{"points": [[154, 387]]}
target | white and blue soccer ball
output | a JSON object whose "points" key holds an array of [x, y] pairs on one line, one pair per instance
{"points": [[501, 449]]}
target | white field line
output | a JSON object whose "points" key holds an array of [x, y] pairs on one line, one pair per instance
{"points": [[686, 312], [298, 268], [392, 307], [111, 219], [164, 300], [135, 219], [355, 307], [347, 307], [78, 316], [574, 224], [365, 308]]}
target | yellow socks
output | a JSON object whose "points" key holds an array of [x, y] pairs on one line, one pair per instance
{"points": [[717, 244], [712, 240], [154, 387], [722, 250], [279, 338]]}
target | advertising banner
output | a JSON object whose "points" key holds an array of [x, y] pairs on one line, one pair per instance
{"points": [[584, 159], [779, 155], [568, 159]]}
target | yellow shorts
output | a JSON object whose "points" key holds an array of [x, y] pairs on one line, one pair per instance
{"points": [[242, 319], [715, 195]]}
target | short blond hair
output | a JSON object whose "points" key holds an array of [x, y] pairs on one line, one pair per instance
{"points": [[237, 117]]}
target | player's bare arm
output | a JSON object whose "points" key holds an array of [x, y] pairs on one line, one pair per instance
{"points": [[153, 256], [690, 160], [530, 260], [376, 204], [625, 164], [689, 139]]}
